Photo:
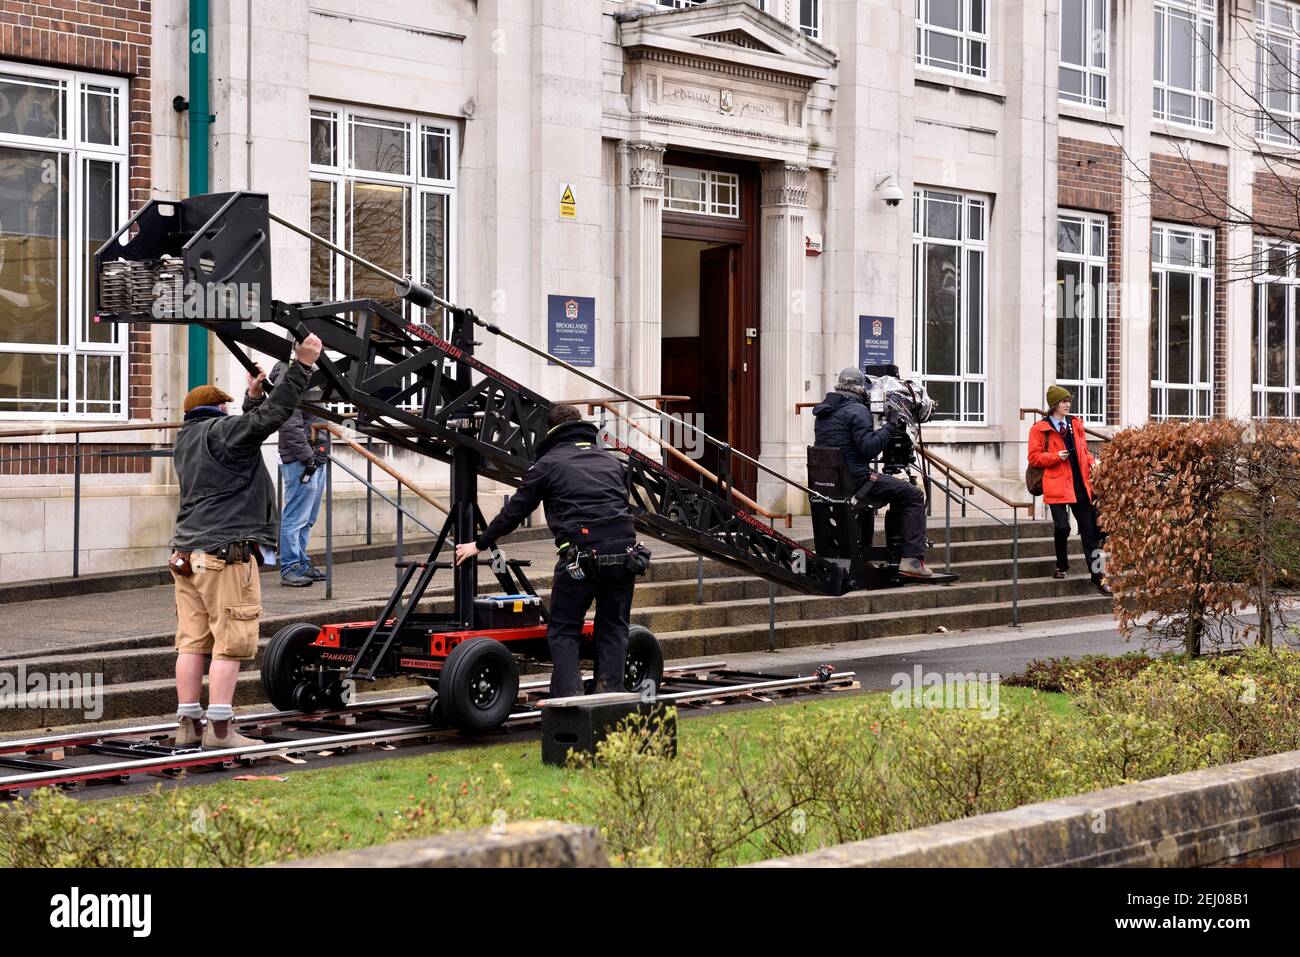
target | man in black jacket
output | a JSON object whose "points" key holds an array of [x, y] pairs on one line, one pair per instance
{"points": [[226, 518], [585, 492], [844, 422]]}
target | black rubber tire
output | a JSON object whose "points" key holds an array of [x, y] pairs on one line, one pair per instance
{"points": [[283, 660], [645, 659], [466, 705]]}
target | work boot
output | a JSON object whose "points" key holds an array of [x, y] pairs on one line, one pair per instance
{"points": [[914, 568], [294, 578], [231, 739], [312, 572], [188, 733]]}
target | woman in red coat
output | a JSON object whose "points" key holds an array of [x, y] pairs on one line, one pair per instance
{"points": [[1058, 446]]}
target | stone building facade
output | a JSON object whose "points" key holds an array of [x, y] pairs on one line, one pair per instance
{"points": [[711, 180]]}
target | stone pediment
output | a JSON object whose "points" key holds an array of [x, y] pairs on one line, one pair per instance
{"points": [[732, 32]]}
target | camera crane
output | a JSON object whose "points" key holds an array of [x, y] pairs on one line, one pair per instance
{"points": [[207, 260]]}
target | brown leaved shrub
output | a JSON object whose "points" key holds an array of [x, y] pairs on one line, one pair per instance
{"points": [[1200, 520]]}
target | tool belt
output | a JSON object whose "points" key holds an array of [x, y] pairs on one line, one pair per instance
{"points": [[580, 562], [233, 553]]}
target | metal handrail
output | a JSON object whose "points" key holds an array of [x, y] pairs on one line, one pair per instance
{"points": [[1101, 436], [78, 429], [972, 481], [686, 459]]}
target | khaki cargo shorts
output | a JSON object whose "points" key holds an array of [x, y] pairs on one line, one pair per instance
{"points": [[217, 608]]}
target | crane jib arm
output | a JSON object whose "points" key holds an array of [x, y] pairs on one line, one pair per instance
{"points": [[398, 380]]}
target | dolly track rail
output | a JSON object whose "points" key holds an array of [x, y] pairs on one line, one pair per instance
{"points": [[705, 682]]}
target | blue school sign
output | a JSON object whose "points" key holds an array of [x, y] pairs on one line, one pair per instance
{"points": [[572, 329], [875, 340]]}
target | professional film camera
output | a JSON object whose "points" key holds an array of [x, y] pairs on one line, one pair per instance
{"points": [[907, 399]]}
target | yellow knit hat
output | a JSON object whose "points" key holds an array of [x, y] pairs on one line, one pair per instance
{"points": [[205, 395]]}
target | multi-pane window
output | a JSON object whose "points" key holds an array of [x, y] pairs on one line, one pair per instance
{"points": [[953, 35], [1182, 325], [1081, 311], [949, 300], [382, 185], [63, 193], [1184, 62], [1275, 331], [810, 18], [1277, 70], [704, 191], [1085, 32]]}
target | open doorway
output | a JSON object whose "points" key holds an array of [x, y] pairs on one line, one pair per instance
{"points": [[710, 303], [710, 353]]}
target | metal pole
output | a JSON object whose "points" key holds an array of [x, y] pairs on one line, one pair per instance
{"points": [[1015, 567], [947, 525], [699, 580], [771, 617], [329, 530], [76, 505], [370, 478], [399, 529]]}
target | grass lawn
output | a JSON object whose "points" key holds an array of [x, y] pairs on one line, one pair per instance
{"points": [[352, 799]]}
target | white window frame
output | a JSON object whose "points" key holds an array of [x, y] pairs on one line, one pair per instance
{"points": [[810, 18], [968, 39], [75, 346], [1095, 230], [1290, 281], [709, 180], [1269, 30], [1203, 15], [343, 172], [969, 204], [1201, 270], [1095, 70]]}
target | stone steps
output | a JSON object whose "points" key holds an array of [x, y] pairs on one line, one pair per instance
{"points": [[137, 671]]}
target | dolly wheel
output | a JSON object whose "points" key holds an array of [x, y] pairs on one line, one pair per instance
{"points": [[645, 659], [284, 664], [479, 685]]}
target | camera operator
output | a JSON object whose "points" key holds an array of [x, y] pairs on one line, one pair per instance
{"points": [[585, 492], [844, 422]]}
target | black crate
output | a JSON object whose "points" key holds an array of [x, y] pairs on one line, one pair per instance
{"points": [[579, 725], [507, 611]]}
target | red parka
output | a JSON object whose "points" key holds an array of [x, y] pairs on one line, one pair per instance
{"points": [[1058, 482]]}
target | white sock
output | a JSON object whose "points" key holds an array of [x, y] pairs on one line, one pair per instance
{"points": [[220, 712], [190, 709]]}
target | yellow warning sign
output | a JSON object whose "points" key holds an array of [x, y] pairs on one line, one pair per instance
{"points": [[568, 205]]}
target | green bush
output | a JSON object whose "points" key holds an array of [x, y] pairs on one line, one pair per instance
{"points": [[820, 779], [49, 829]]}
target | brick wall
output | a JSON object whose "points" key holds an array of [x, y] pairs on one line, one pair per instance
{"points": [[1090, 177], [48, 458], [108, 36], [1275, 204], [1194, 193]]}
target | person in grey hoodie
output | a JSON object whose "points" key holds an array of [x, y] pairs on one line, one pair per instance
{"points": [[304, 450]]}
